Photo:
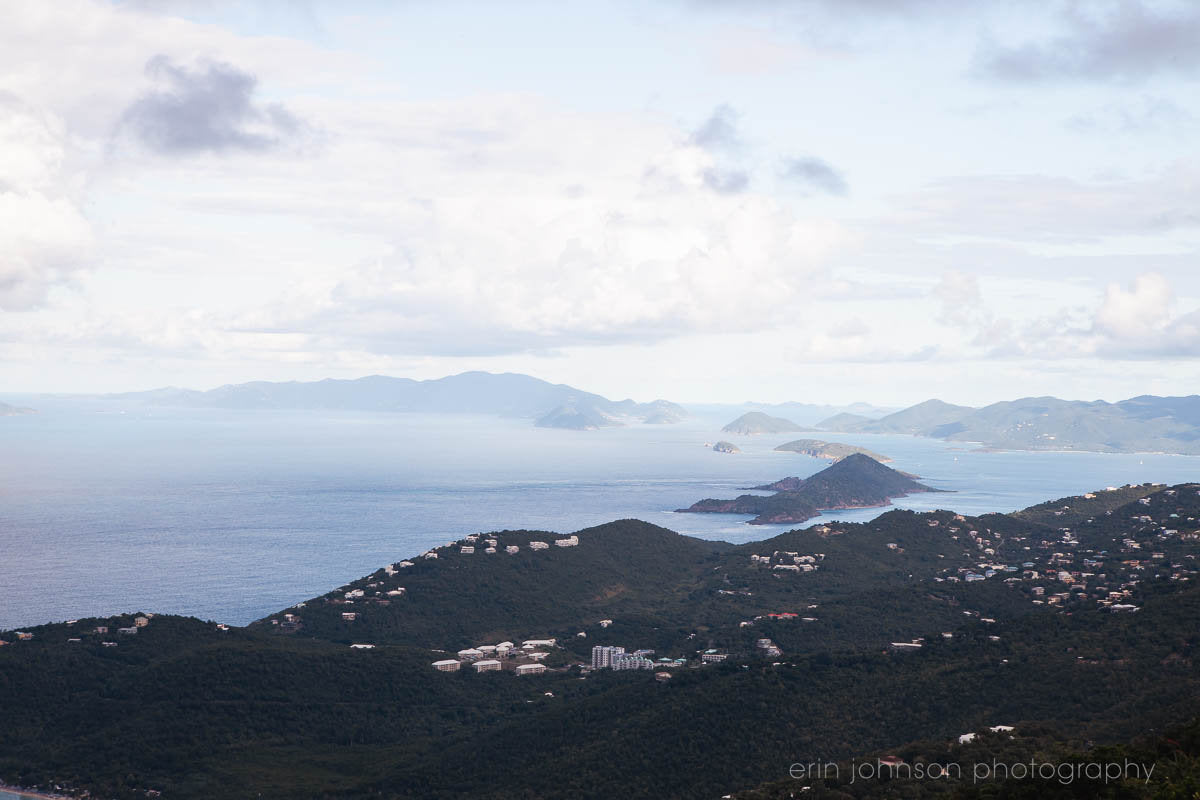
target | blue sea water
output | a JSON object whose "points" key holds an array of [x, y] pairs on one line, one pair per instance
{"points": [[230, 515]]}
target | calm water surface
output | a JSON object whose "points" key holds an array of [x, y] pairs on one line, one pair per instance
{"points": [[232, 515]]}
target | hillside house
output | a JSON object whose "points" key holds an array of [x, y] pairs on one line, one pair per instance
{"points": [[447, 665], [538, 546], [530, 669], [511, 549], [570, 541], [488, 665]]}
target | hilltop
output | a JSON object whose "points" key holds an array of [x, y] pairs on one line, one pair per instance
{"points": [[848, 640], [1140, 424], [831, 451], [755, 422], [856, 481]]}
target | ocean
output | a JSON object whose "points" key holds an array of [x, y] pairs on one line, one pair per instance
{"points": [[230, 515]]}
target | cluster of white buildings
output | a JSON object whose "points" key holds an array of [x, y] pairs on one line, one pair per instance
{"points": [[487, 657], [488, 544], [788, 561]]}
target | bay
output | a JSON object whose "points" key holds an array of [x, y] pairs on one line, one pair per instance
{"points": [[230, 515]]}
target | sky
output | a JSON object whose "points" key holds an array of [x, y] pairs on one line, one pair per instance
{"points": [[702, 200]]}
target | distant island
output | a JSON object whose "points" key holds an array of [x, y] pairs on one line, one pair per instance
{"points": [[755, 422], [856, 481], [1144, 424], [832, 451], [550, 405], [726, 447], [14, 411]]}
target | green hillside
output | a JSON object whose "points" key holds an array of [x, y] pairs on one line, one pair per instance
{"points": [[896, 635]]}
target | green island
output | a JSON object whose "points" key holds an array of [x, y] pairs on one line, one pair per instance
{"points": [[856, 481], [831, 451], [755, 422], [628, 659]]}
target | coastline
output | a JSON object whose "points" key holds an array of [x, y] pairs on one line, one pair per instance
{"points": [[32, 793]]}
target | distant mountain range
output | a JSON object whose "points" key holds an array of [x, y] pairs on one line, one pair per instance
{"points": [[1141, 424], [553, 405], [856, 481]]}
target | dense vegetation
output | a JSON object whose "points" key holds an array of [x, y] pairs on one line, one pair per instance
{"points": [[286, 709]]}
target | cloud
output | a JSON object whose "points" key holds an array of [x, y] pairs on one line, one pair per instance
{"points": [[1042, 208], [1126, 40], [815, 174], [719, 131], [726, 181], [44, 237], [207, 109], [1136, 312], [1151, 114]]}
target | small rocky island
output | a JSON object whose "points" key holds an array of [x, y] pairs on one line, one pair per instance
{"points": [[726, 447], [856, 481], [831, 451]]}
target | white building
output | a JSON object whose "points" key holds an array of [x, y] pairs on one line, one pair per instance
{"points": [[538, 546], [537, 656], [631, 661], [570, 541], [470, 653], [487, 665], [467, 550], [512, 548], [531, 644], [363, 646], [530, 669], [602, 656], [448, 665], [349, 616]]}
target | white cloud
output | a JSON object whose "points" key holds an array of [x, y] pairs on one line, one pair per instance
{"points": [[44, 237], [1137, 312]]}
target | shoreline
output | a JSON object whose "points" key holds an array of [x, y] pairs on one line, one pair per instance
{"points": [[33, 793]]}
